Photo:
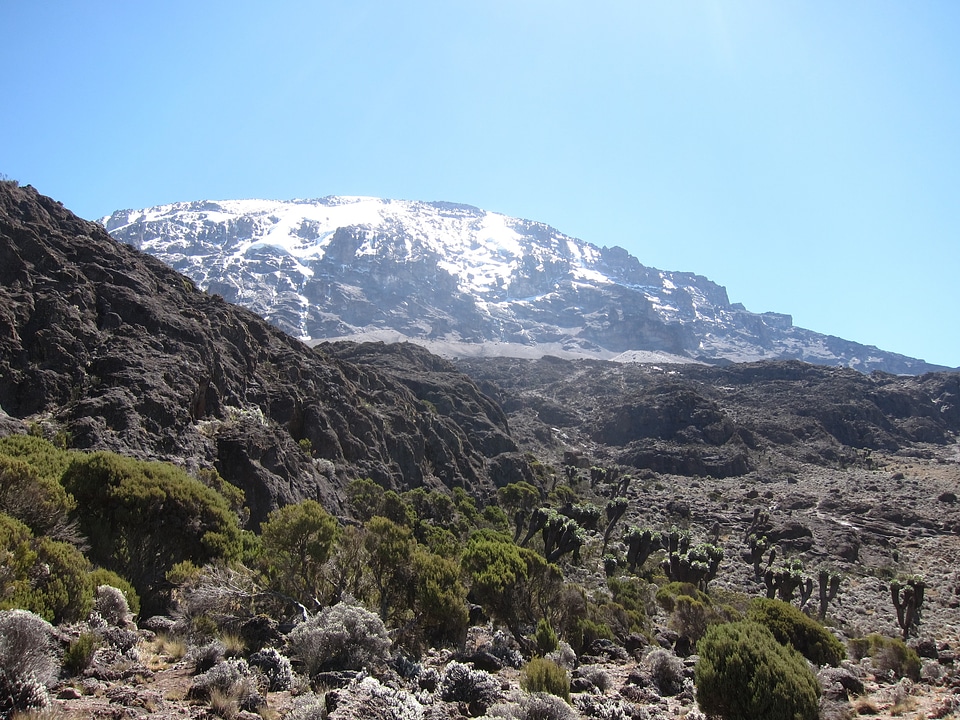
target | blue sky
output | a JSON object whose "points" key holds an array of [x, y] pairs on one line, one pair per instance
{"points": [[805, 155]]}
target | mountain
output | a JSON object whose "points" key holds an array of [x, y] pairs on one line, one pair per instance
{"points": [[108, 348], [465, 282]]}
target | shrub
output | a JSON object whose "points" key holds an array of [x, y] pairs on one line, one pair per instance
{"points": [[27, 662], [296, 542], [42, 575], [369, 699], [668, 594], [275, 667], [890, 656], [206, 656], [343, 636], [791, 627], [666, 669], [142, 518], [461, 683], [510, 582], [743, 673], [229, 678], [545, 637], [542, 675], [79, 654], [611, 708], [538, 706], [38, 501], [599, 677], [437, 601], [111, 604], [118, 638], [102, 576], [691, 617], [631, 596], [308, 707]]}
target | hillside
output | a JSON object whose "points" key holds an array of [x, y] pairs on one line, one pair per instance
{"points": [[112, 349]]}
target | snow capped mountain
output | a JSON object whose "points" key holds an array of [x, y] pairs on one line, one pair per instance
{"points": [[463, 281]]}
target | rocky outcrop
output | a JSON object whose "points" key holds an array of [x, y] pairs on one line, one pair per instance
{"points": [[718, 421], [114, 350]]}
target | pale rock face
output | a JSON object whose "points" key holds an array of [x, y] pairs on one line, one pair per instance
{"points": [[464, 282]]}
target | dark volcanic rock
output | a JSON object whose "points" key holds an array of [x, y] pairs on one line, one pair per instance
{"points": [[720, 421], [122, 353]]}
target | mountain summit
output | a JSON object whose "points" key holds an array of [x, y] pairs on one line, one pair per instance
{"points": [[465, 282]]}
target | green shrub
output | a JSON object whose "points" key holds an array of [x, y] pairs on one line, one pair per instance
{"points": [[546, 637], [791, 627], [510, 582], [42, 575], [297, 540], [585, 631], [142, 518], [743, 674], [668, 594], [437, 601], [44, 457], [79, 654], [889, 655], [40, 502], [543, 675], [629, 594]]}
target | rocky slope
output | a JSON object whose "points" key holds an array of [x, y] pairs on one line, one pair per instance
{"points": [[465, 282], [850, 471], [697, 420], [114, 350]]}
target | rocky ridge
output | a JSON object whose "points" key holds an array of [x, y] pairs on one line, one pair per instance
{"points": [[116, 351], [465, 282]]}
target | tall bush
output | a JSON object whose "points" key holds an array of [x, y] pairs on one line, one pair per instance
{"points": [[743, 674], [142, 518], [297, 540], [42, 575], [791, 627]]}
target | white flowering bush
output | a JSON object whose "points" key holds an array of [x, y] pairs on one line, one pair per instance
{"points": [[275, 667], [605, 708], [232, 678], [340, 637], [534, 706], [367, 699], [28, 665], [206, 656], [666, 669], [461, 683], [308, 707], [111, 604]]}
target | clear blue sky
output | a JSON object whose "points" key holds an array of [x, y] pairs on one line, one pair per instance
{"points": [[806, 155]]}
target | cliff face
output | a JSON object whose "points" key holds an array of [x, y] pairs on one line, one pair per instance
{"points": [[117, 351]]}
